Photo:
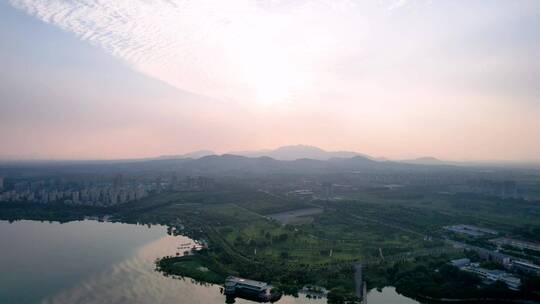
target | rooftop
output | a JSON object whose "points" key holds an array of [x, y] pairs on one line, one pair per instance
{"points": [[237, 280], [470, 230], [534, 266], [460, 262]]}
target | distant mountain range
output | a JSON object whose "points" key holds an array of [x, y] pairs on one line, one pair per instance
{"points": [[428, 160], [194, 155], [295, 152], [286, 159], [237, 165], [292, 152]]}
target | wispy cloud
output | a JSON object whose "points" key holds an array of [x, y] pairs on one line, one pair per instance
{"points": [[397, 4], [240, 49], [226, 49]]}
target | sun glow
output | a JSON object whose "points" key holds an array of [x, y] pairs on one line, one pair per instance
{"points": [[273, 81], [267, 66]]}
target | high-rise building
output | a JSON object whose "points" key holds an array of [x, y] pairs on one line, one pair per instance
{"points": [[1, 183], [118, 181], [328, 190]]}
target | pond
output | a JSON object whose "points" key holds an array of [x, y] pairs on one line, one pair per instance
{"points": [[101, 262]]}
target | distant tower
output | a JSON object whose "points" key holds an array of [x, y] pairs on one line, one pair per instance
{"points": [[175, 183], [328, 190], [1, 183], [118, 181], [364, 293], [159, 183]]}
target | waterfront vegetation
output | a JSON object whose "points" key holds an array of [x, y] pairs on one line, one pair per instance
{"points": [[198, 267], [433, 278], [398, 237]]}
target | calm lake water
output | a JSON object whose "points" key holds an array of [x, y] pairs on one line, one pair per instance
{"points": [[100, 262]]}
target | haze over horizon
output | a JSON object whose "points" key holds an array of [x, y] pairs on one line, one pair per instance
{"points": [[294, 152], [400, 79]]}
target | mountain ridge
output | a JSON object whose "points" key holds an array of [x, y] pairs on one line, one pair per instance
{"points": [[294, 152]]}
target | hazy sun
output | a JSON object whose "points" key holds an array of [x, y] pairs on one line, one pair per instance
{"points": [[268, 69]]}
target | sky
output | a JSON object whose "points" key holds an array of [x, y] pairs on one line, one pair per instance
{"points": [[93, 79]]}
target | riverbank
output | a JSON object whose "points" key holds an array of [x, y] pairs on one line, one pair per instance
{"points": [[434, 280], [475, 300]]}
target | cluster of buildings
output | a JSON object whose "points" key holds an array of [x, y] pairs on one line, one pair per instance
{"points": [[504, 241], [505, 189], [303, 194], [514, 267], [81, 192], [104, 195], [507, 261], [526, 267], [502, 189], [189, 183], [470, 230], [343, 185], [98, 192], [488, 275], [323, 190]]}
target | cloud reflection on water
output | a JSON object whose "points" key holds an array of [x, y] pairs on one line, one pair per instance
{"points": [[135, 280]]}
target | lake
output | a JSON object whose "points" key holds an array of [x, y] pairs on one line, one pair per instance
{"points": [[102, 262]]}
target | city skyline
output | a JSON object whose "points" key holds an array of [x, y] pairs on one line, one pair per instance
{"points": [[396, 79]]}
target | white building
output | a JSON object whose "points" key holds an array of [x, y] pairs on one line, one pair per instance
{"points": [[490, 275]]}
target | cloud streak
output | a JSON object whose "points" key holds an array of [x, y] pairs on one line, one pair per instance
{"points": [[230, 50], [234, 50]]}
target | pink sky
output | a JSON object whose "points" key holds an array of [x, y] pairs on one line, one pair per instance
{"points": [[400, 79]]}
